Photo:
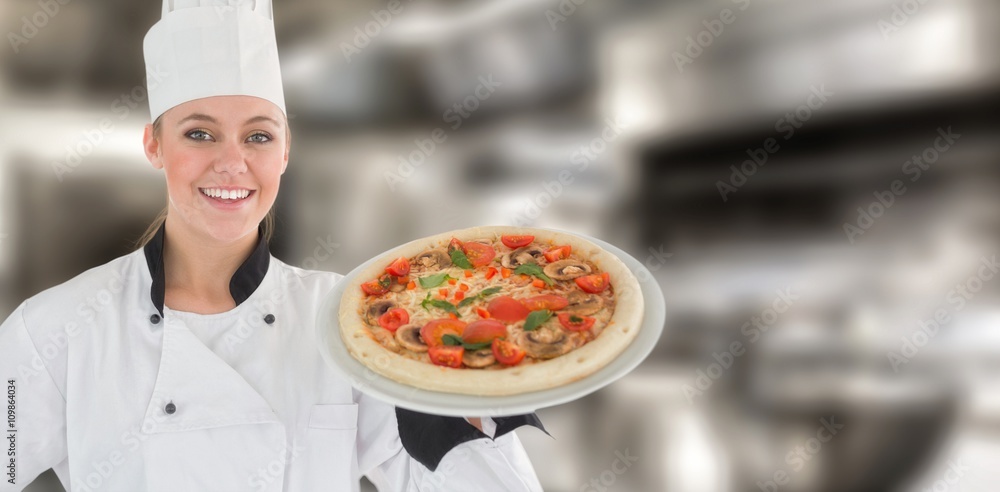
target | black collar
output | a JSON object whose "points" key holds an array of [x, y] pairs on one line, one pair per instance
{"points": [[244, 282]]}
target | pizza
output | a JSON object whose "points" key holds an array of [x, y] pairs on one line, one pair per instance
{"points": [[491, 311]]}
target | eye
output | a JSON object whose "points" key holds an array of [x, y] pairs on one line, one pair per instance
{"points": [[259, 137], [198, 135]]}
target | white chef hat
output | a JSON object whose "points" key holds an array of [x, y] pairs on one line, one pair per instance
{"points": [[204, 48]]}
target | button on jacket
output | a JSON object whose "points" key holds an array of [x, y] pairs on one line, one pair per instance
{"points": [[116, 391]]}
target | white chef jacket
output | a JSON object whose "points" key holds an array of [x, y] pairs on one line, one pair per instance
{"points": [[116, 391]]}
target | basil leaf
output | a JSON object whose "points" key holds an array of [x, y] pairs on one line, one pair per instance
{"points": [[535, 271], [488, 292], [575, 319], [528, 269], [460, 260], [438, 303], [536, 319], [384, 281], [433, 280], [449, 339], [482, 295], [477, 346]]}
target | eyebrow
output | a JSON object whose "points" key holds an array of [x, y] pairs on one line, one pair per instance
{"points": [[256, 119], [198, 117], [205, 117]]}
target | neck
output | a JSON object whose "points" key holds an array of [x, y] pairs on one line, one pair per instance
{"points": [[198, 267]]}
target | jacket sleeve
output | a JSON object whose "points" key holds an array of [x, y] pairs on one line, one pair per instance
{"points": [[34, 430], [401, 450]]}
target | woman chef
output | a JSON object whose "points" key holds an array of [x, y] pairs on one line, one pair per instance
{"points": [[191, 364]]}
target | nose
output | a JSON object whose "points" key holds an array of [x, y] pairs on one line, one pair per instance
{"points": [[231, 159]]}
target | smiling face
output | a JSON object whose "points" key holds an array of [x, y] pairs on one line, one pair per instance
{"points": [[223, 158]]}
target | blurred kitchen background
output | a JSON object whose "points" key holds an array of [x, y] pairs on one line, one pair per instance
{"points": [[616, 119]]}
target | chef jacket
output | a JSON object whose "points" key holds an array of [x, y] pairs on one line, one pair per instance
{"points": [[116, 391]]}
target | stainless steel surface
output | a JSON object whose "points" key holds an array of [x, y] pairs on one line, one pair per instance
{"points": [[602, 91]]}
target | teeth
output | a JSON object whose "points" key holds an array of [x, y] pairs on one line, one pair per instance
{"points": [[226, 194]]}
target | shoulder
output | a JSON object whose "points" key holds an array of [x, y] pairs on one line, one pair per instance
{"points": [[96, 286], [307, 279]]}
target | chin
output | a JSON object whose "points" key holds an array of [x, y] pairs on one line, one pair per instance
{"points": [[230, 231]]}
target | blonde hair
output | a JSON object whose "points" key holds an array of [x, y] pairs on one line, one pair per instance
{"points": [[267, 225]]}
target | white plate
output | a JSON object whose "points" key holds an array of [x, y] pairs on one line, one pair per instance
{"points": [[458, 405]]}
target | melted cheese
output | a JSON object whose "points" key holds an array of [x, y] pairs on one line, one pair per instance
{"points": [[514, 286]]}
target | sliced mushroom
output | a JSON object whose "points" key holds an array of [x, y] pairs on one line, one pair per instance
{"points": [[583, 304], [431, 260], [479, 358], [522, 255], [408, 337], [567, 269], [545, 342], [377, 309]]}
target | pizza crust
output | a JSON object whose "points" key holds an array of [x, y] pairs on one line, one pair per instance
{"points": [[621, 330]]}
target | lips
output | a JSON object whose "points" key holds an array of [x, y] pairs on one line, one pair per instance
{"points": [[227, 194], [228, 199]]}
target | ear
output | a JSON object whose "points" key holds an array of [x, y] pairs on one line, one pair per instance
{"points": [[151, 146], [288, 148]]}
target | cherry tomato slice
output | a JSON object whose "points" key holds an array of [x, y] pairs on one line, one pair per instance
{"points": [[507, 353], [573, 322], [558, 253], [595, 283], [447, 355], [435, 330], [551, 302], [377, 287], [484, 330], [455, 244], [480, 254], [514, 242], [506, 308], [399, 268], [393, 319]]}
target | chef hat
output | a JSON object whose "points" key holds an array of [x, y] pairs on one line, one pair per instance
{"points": [[204, 48]]}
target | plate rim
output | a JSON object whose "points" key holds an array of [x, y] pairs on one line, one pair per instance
{"points": [[367, 381]]}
